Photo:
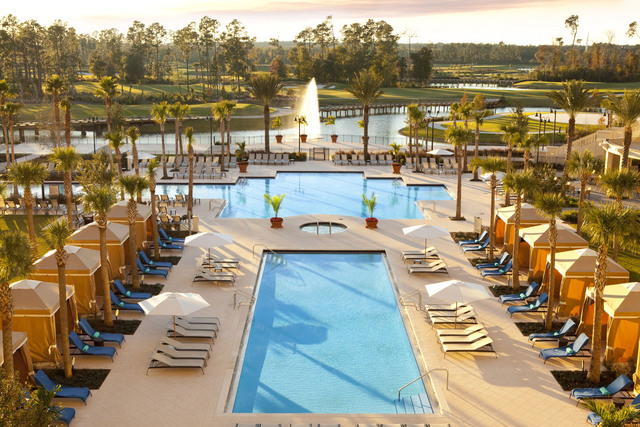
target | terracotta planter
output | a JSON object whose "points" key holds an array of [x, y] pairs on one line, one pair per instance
{"points": [[396, 167], [334, 138], [303, 138], [371, 222], [276, 222], [279, 139], [243, 166], [363, 139]]}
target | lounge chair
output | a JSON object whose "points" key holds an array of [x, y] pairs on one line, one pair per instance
{"points": [[570, 350], [67, 392], [434, 267], [207, 320], [528, 307], [479, 247], [203, 275], [431, 252], [464, 339], [188, 333], [219, 264], [497, 264], [90, 350], [164, 245], [186, 346], [124, 305], [477, 241], [460, 320], [193, 326], [616, 386], [460, 332], [447, 313], [595, 419], [165, 237], [445, 307], [154, 264], [182, 354], [129, 294], [481, 346], [499, 271], [99, 336], [553, 336], [533, 286], [151, 271], [66, 415], [160, 360]]}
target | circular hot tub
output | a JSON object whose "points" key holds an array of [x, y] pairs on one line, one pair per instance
{"points": [[323, 227]]}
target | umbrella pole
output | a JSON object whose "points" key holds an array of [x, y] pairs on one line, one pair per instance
{"points": [[455, 321], [174, 326], [425, 248]]}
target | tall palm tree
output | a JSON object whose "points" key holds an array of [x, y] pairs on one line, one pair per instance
{"points": [[411, 112], [151, 177], [618, 185], [416, 116], [54, 85], [15, 262], [478, 117], [366, 87], [5, 93], [179, 111], [65, 104], [57, 234], [527, 144], [520, 183], [99, 199], [9, 111], [133, 133], [490, 165], [26, 174], [265, 87], [116, 141], [627, 108], [584, 167], [574, 98], [159, 114], [229, 106], [219, 112], [67, 160], [132, 184], [454, 113], [188, 132], [108, 89], [603, 224], [465, 112], [550, 206], [458, 137]]}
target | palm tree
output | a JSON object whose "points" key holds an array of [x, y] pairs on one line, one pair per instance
{"points": [[603, 224], [416, 116], [520, 183], [108, 89], [265, 87], [178, 111], [219, 112], [26, 174], [9, 111], [366, 87], [550, 206], [611, 415], [465, 112], [527, 144], [5, 92], [116, 141], [229, 106], [132, 184], [67, 160], [133, 133], [57, 234], [618, 185], [584, 168], [574, 98], [55, 85], [99, 199], [15, 262], [151, 177], [454, 113], [627, 108], [159, 113], [458, 137], [66, 106], [188, 132], [490, 165], [478, 117]]}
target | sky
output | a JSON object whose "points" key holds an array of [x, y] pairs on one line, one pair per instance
{"points": [[480, 21]]}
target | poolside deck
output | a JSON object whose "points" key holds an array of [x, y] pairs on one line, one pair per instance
{"points": [[514, 389]]}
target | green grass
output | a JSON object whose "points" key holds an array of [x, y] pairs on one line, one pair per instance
{"points": [[19, 222]]}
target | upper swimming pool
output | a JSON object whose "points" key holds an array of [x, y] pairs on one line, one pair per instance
{"points": [[316, 193]]}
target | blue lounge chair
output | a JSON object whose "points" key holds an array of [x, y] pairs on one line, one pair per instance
{"points": [[63, 392], [151, 271], [155, 264], [165, 237], [124, 305], [616, 386], [596, 419], [566, 351], [480, 238], [529, 307], [479, 247], [553, 336], [91, 350], [521, 296], [499, 271], [164, 245], [66, 415], [106, 337], [128, 294], [496, 264]]}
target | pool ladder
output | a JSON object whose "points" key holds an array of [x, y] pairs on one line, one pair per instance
{"points": [[422, 376], [277, 255], [407, 300], [241, 297]]}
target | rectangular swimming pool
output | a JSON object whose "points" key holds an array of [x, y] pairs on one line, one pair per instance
{"points": [[326, 336]]}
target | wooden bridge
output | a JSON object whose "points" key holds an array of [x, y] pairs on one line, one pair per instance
{"points": [[395, 108]]}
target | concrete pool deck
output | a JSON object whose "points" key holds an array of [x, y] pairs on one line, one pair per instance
{"points": [[515, 388]]}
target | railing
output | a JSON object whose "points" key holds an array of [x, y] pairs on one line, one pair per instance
{"points": [[405, 300], [422, 376], [248, 299]]}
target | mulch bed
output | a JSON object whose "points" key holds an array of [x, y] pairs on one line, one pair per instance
{"points": [[152, 288], [458, 235], [498, 290], [528, 328], [126, 327], [569, 380], [91, 378]]}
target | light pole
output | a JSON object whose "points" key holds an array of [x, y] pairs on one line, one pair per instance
{"points": [[93, 121], [551, 110], [210, 119], [300, 120]]}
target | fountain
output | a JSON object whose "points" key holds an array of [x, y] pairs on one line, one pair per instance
{"points": [[311, 111]]}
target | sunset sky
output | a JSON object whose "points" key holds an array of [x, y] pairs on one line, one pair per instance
{"points": [[483, 21]]}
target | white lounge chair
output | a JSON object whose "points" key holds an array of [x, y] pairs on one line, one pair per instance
{"points": [[481, 346], [160, 360], [433, 267]]}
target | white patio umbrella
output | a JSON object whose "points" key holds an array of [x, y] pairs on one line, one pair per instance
{"points": [[425, 231], [173, 304], [208, 240], [457, 291], [440, 152], [487, 176], [142, 156]]}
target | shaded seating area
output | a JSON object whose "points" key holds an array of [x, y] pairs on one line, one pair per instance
{"points": [[21, 355], [150, 271], [619, 384], [117, 284], [526, 308], [153, 264], [133, 306], [505, 222], [554, 335], [571, 350], [118, 214], [88, 236], [498, 271]]}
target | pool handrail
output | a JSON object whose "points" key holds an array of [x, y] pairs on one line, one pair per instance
{"points": [[250, 298], [253, 250], [424, 375]]}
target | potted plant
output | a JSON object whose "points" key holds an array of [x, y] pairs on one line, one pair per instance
{"points": [[395, 150], [370, 203], [275, 201], [276, 124], [304, 123], [361, 126], [331, 121], [241, 156]]}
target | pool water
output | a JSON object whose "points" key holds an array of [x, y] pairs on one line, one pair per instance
{"points": [[316, 193], [326, 336]]}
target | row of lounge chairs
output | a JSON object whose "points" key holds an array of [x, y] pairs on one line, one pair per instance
{"points": [[206, 171], [269, 159], [214, 270], [40, 207], [424, 261], [183, 161], [473, 338]]}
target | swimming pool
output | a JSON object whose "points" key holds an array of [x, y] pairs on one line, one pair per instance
{"points": [[316, 193], [326, 336]]}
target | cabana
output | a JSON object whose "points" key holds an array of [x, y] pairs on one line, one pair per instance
{"points": [[88, 237], [35, 312], [574, 273], [535, 247], [22, 363], [83, 272], [118, 213], [505, 218]]}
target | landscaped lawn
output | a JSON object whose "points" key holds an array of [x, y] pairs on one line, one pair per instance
{"points": [[19, 222]]}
